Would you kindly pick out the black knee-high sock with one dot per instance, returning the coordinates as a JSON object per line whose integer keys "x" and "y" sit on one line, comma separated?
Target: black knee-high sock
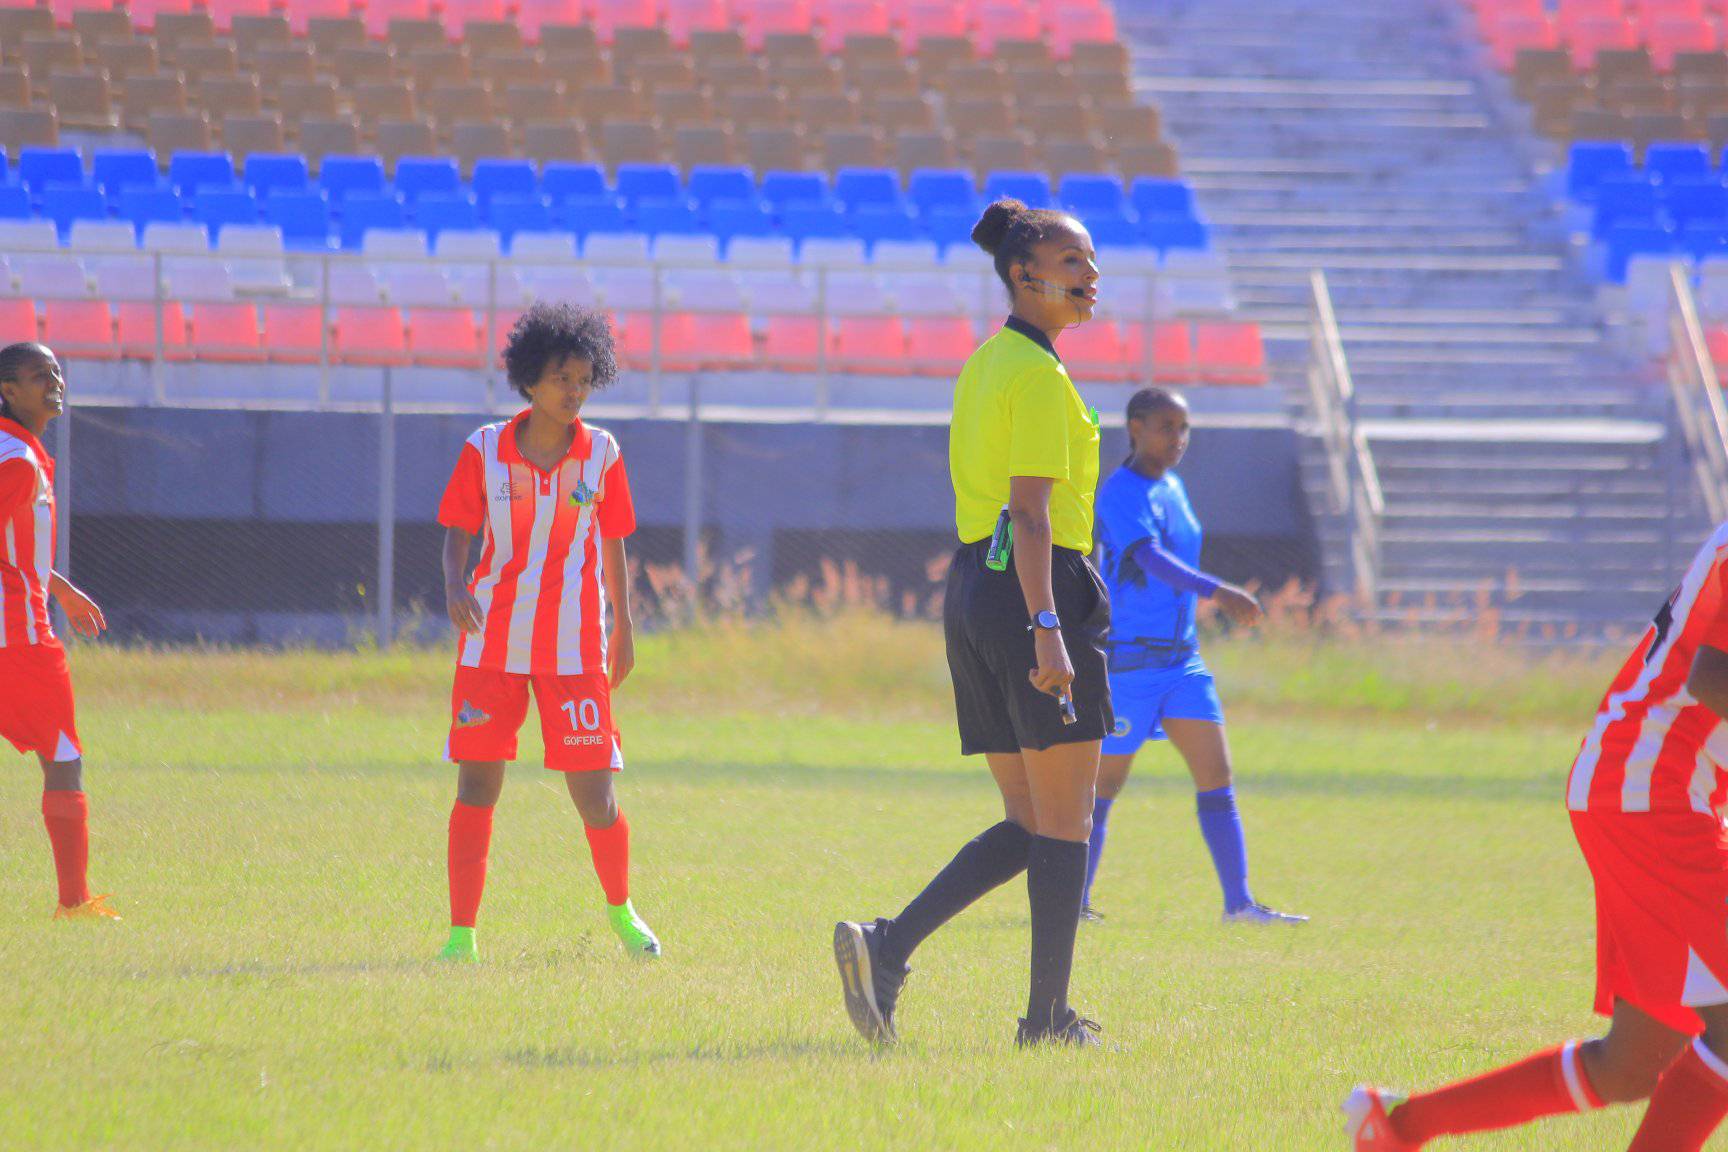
{"x": 989, "y": 860}
{"x": 1055, "y": 880}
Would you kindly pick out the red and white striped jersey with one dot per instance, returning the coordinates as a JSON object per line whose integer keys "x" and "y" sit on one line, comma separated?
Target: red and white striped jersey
{"x": 538, "y": 580}
{"x": 27, "y": 538}
{"x": 1653, "y": 747}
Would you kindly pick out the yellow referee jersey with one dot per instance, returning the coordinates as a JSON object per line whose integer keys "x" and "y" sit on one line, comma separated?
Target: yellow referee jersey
{"x": 1016, "y": 413}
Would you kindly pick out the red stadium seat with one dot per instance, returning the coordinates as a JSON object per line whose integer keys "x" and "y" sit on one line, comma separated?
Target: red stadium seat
{"x": 1651, "y": 11}
{"x": 927, "y": 19}
{"x": 227, "y": 333}
{"x": 135, "y": 322}
{"x": 79, "y": 329}
{"x": 1172, "y": 351}
{"x": 1095, "y": 351}
{"x": 854, "y": 18}
{"x": 686, "y": 16}
{"x": 503, "y": 319}
{"x": 144, "y": 12}
{"x": 370, "y": 336}
{"x": 1006, "y": 22}
{"x": 1506, "y": 37}
{"x": 874, "y": 345}
{"x": 705, "y": 341}
{"x": 18, "y": 319}
{"x": 1573, "y": 11}
{"x": 1587, "y": 37}
{"x": 1717, "y": 341}
{"x": 1230, "y": 353}
{"x": 293, "y": 333}
{"x": 610, "y": 15}
{"x": 301, "y": 13}
{"x": 773, "y": 17}
{"x": 1670, "y": 35}
{"x": 939, "y": 344}
{"x": 444, "y": 336}
{"x": 1487, "y": 13}
{"x": 457, "y": 13}
{"x": 1069, "y": 27}
{"x": 792, "y": 343}
{"x": 536, "y": 14}
{"x": 222, "y": 12}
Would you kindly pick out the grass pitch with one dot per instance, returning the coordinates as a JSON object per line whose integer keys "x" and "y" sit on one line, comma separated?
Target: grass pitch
{"x": 273, "y": 827}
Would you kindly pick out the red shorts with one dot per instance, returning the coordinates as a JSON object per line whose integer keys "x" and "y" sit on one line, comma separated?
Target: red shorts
{"x": 1661, "y": 911}
{"x": 36, "y": 701}
{"x": 487, "y": 709}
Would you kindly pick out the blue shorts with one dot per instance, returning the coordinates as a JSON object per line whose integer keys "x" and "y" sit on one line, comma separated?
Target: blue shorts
{"x": 1146, "y": 697}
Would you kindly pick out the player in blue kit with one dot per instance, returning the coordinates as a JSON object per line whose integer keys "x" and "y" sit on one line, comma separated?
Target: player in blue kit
{"x": 1149, "y": 554}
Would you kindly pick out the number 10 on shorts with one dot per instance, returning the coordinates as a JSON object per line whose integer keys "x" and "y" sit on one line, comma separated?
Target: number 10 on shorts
{"x": 584, "y": 715}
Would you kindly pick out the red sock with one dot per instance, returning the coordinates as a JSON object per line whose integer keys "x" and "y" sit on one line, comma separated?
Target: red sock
{"x": 1689, "y": 1102}
{"x": 1542, "y": 1085}
{"x": 470, "y": 840}
{"x": 611, "y": 849}
{"x": 67, "y": 815}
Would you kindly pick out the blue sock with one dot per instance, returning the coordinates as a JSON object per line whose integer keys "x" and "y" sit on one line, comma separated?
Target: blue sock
{"x": 1221, "y": 825}
{"x": 1100, "y": 814}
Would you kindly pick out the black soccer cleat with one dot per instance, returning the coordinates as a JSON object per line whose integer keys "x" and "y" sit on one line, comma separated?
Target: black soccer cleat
{"x": 870, "y": 983}
{"x": 1072, "y": 1029}
{"x": 1089, "y": 914}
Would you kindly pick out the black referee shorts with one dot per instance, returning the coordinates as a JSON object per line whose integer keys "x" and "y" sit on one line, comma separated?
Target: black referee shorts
{"x": 991, "y": 653}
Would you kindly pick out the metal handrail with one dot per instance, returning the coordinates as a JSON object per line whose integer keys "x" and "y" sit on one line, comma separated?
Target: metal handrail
{"x": 1356, "y": 493}
{"x": 1698, "y": 394}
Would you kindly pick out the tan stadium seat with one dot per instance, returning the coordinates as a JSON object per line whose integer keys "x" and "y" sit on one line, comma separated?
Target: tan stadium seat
{"x": 83, "y": 100}
{"x": 555, "y": 142}
{"x": 253, "y": 33}
{"x": 1637, "y": 98}
{"x": 801, "y": 78}
{"x": 609, "y": 102}
{"x": 1599, "y": 124}
{"x": 1093, "y": 57}
{"x": 94, "y": 24}
{"x": 975, "y": 82}
{"x": 632, "y": 43}
{"x": 215, "y": 58}
{"x": 171, "y": 132}
{"x": 819, "y": 114}
{"x": 17, "y": 23}
{"x": 937, "y": 54}
{"x": 367, "y": 64}
{"x": 240, "y": 95}
{"x": 147, "y": 95}
{"x": 1003, "y": 152}
{"x": 879, "y": 80}
{"x": 175, "y": 30}
{"x": 244, "y": 135}
{"x": 727, "y": 75}
{"x": 330, "y": 136}
{"x": 697, "y": 145}
{"x": 404, "y": 137}
{"x": 448, "y": 104}
{"x": 657, "y": 72}
{"x": 1126, "y": 124}
{"x": 503, "y": 68}
{"x": 775, "y": 149}
{"x": 895, "y": 114}
{"x": 329, "y": 35}
{"x": 14, "y": 88}
{"x": 1621, "y": 65}
{"x": 748, "y": 109}
{"x": 1158, "y": 160}
{"x": 980, "y": 117}
{"x": 544, "y": 103}
{"x": 384, "y": 101}
{"x": 407, "y": 36}
{"x": 1057, "y": 117}
{"x": 575, "y": 69}
{"x": 681, "y": 107}
{"x": 853, "y": 148}
{"x": 568, "y": 38}
{"x": 430, "y": 67}
{"x": 915, "y": 150}
{"x": 631, "y": 142}
{"x": 791, "y": 47}
{"x": 278, "y": 64}
{"x": 36, "y": 127}
{"x": 491, "y": 37}
{"x": 46, "y": 53}
{"x": 299, "y": 100}
{"x": 1018, "y": 56}
{"x": 865, "y": 51}
{"x": 710, "y": 46}
{"x": 125, "y": 57}
{"x": 1077, "y": 155}
{"x": 1532, "y": 67}
{"x": 1692, "y": 68}
{"x": 1704, "y": 104}
{"x": 473, "y": 140}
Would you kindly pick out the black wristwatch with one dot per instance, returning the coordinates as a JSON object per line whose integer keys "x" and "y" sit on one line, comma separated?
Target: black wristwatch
{"x": 1046, "y": 621}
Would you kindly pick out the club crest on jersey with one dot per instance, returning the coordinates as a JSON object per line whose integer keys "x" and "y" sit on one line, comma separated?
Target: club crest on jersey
{"x": 582, "y": 496}
{"x": 469, "y": 716}
{"x": 1122, "y": 727}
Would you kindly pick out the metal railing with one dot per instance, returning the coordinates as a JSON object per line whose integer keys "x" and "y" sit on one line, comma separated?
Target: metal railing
{"x": 1356, "y": 495}
{"x": 1697, "y": 394}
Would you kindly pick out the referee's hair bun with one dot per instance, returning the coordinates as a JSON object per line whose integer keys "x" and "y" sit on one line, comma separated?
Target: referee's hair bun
{"x": 988, "y": 233}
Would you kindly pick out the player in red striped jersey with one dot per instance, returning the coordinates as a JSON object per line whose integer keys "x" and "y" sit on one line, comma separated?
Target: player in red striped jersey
{"x": 36, "y": 711}
{"x": 547, "y": 497}
{"x": 1646, "y": 799}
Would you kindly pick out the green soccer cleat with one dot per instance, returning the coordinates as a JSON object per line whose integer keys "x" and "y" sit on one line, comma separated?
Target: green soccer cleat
{"x": 461, "y": 947}
{"x": 638, "y": 939}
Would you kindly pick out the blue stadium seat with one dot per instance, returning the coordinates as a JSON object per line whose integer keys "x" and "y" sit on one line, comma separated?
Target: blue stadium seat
{"x": 1114, "y": 230}
{"x": 729, "y": 218}
{"x": 585, "y": 214}
{"x": 876, "y": 222}
{"x": 1591, "y": 160}
{"x": 857, "y": 188}
{"x": 711, "y": 183}
{"x": 115, "y": 168}
{"x": 1673, "y": 160}
{"x": 636, "y": 183}
{"x": 510, "y": 214}
{"x": 270, "y": 173}
{"x": 38, "y": 167}
{"x": 14, "y": 202}
{"x": 656, "y": 217}
{"x": 216, "y": 208}
{"x": 1031, "y": 188}
{"x": 1620, "y": 196}
{"x": 1154, "y": 197}
{"x": 344, "y": 176}
{"x": 564, "y": 180}
{"x": 437, "y": 213}
{"x": 1693, "y": 199}
{"x": 150, "y": 205}
{"x": 190, "y": 171}
{"x": 804, "y": 221}
{"x": 782, "y": 188}
{"x": 64, "y": 203}
{"x": 5, "y": 171}
{"x": 364, "y": 210}
{"x": 1704, "y": 237}
{"x": 1633, "y": 238}
{"x": 500, "y": 176}
{"x": 948, "y": 225}
{"x": 943, "y": 188}
{"x": 303, "y": 216}
{"x": 1087, "y": 194}
{"x": 1167, "y": 232}
{"x": 418, "y": 176}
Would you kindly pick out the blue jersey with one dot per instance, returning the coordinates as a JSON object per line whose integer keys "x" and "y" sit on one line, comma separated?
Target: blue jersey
{"x": 1151, "y": 623}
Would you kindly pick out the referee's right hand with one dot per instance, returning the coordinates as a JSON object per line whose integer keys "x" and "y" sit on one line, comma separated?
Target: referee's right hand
{"x": 1054, "y": 673}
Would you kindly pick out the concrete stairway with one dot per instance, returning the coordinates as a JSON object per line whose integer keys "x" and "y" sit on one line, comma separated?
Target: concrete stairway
{"x": 1511, "y": 432}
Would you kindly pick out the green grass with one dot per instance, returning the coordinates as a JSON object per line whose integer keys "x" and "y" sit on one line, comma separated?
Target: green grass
{"x": 274, "y": 828}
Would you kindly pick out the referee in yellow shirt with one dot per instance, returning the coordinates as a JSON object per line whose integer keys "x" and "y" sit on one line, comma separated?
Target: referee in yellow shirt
{"x": 1025, "y": 617}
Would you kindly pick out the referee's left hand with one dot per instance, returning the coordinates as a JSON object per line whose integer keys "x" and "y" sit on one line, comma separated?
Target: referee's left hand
{"x": 621, "y": 654}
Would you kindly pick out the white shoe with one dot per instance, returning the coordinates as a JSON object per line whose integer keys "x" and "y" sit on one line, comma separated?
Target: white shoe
{"x": 1258, "y": 913}
{"x": 1367, "y": 1123}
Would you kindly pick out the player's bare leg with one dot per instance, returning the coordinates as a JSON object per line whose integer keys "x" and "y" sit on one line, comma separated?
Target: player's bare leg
{"x": 1691, "y": 1099}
